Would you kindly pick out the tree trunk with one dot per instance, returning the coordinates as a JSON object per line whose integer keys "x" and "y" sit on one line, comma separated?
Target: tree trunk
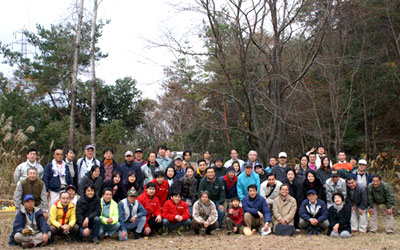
{"x": 93, "y": 77}
{"x": 75, "y": 76}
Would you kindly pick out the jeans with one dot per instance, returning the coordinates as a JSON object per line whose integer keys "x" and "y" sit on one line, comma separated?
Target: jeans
{"x": 221, "y": 214}
{"x": 109, "y": 228}
{"x": 95, "y": 226}
{"x": 129, "y": 226}
{"x": 176, "y": 225}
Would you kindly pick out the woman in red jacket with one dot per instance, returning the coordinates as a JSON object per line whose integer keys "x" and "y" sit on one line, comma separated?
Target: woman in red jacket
{"x": 176, "y": 215}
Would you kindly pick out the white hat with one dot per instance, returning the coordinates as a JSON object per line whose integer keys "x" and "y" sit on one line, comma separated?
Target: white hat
{"x": 282, "y": 154}
{"x": 362, "y": 161}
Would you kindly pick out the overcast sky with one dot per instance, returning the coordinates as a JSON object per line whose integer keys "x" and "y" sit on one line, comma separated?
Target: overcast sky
{"x": 125, "y": 39}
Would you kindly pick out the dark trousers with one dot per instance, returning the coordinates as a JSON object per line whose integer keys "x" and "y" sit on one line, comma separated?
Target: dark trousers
{"x": 94, "y": 226}
{"x": 154, "y": 226}
{"x": 58, "y": 231}
{"x": 196, "y": 226}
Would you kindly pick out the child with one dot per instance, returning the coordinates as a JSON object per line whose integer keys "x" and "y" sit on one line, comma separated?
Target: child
{"x": 234, "y": 218}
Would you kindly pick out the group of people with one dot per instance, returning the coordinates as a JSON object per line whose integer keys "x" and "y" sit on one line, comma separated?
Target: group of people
{"x": 96, "y": 199}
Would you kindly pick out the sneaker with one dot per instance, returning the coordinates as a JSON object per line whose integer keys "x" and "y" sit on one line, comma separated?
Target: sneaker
{"x": 229, "y": 232}
{"x": 96, "y": 240}
{"x": 219, "y": 229}
{"x": 298, "y": 230}
{"x": 180, "y": 230}
{"x": 318, "y": 231}
{"x": 138, "y": 236}
{"x": 196, "y": 232}
{"x": 164, "y": 231}
{"x": 310, "y": 231}
{"x": 389, "y": 232}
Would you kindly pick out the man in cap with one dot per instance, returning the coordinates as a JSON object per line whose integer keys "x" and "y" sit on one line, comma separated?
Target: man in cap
{"x": 246, "y": 178}
{"x": 179, "y": 170}
{"x": 86, "y": 162}
{"x": 363, "y": 177}
{"x": 21, "y": 171}
{"x": 132, "y": 216}
{"x": 129, "y": 166}
{"x": 335, "y": 185}
{"x": 313, "y": 214}
{"x": 281, "y": 169}
{"x": 138, "y": 160}
{"x": 30, "y": 227}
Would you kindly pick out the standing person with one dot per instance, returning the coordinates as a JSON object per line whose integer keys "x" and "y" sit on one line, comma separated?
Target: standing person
{"x": 69, "y": 154}
{"x": 285, "y": 207}
{"x": 32, "y": 185}
{"x": 175, "y": 214}
{"x": 162, "y": 187}
{"x": 30, "y": 227}
{"x": 236, "y": 167}
{"x": 354, "y": 161}
{"x": 162, "y": 158}
{"x": 280, "y": 169}
{"x": 138, "y": 160}
{"x": 335, "y": 185}
{"x": 218, "y": 167}
{"x": 179, "y": 170}
{"x": 86, "y": 163}
{"x": 93, "y": 179}
{"x": 63, "y": 219}
{"x": 153, "y": 208}
{"x": 320, "y": 154}
{"x": 187, "y": 187}
{"x": 312, "y": 157}
{"x": 207, "y": 158}
{"x": 131, "y": 183}
{"x": 270, "y": 189}
{"x": 21, "y": 171}
{"x": 324, "y": 172}
{"x": 339, "y": 217}
{"x": 170, "y": 176}
{"x": 296, "y": 191}
{"x": 342, "y": 163}
{"x": 56, "y": 176}
{"x": 132, "y": 216}
{"x": 234, "y": 157}
{"x": 230, "y": 182}
{"x": 313, "y": 214}
{"x": 152, "y": 166}
{"x": 201, "y": 170}
{"x": 303, "y": 167}
{"x": 259, "y": 169}
{"x": 234, "y": 217}
{"x": 216, "y": 191}
{"x": 129, "y": 166}
{"x": 273, "y": 161}
{"x": 363, "y": 177}
{"x": 379, "y": 192}
{"x": 88, "y": 210}
{"x": 257, "y": 215}
{"x": 115, "y": 184}
{"x": 187, "y": 154}
{"x": 109, "y": 215}
{"x": 168, "y": 153}
{"x": 248, "y": 177}
{"x": 205, "y": 214}
{"x": 312, "y": 182}
{"x": 357, "y": 198}
{"x": 108, "y": 165}
{"x": 252, "y": 159}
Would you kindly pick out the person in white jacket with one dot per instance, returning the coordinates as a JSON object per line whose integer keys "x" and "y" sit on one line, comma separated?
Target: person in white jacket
{"x": 269, "y": 189}
{"x": 85, "y": 163}
{"x": 21, "y": 172}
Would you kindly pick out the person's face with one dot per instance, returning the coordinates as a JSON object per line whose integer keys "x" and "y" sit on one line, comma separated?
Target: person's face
{"x": 210, "y": 173}
{"x": 338, "y": 200}
{"x": 189, "y": 173}
{"x": 71, "y": 192}
{"x": 32, "y": 156}
{"x": 139, "y": 156}
{"x": 252, "y": 156}
{"x": 132, "y": 178}
{"x": 303, "y": 161}
{"x": 159, "y": 180}
{"x": 65, "y": 198}
{"x": 321, "y": 150}
{"x": 376, "y": 182}
{"x": 206, "y": 155}
{"x": 312, "y": 198}
{"x": 161, "y": 152}
{"x": 312, "y": 157}
{"x": 176, "y": 199}
{"x": 259, "y": 170}
{"x": 170, "y": 172}
{"x": 96, "y": 173}
{"x": 248, "y": 170}
{"x": 231, "y": 174}
{"x": 178, "y": 162}
{"x": 128, "y": 158}
{"x": 218, "y": 164}
{"x": 353, "y": 162}
{"x": 32, "y": 175}
{"x": 89, "y": 192}
{"x": 282, "y": 160}
{"x": 273, "y": 161}
{"x": 362, "y": 167}
{"x": 204, "y": 198}
{"x": 168, "y": 153}
{"x": 117, "y": 179}
{"x": 152, "y": 158}
{"x": 29, "y": 205}
{"x": 131, "y": 199}
{"x": 107, "y": 196}
{"x": 235, "y": 203}
{"x": 151, "y": 191}
{"x": 310, "y": 178}
{"x": 202, "y": 166}
{"x": 89, "y": 153}
{"x": 284, "y": 191}
{"x": 290, "y": 176}
{"x": 342, "y": 156}
{"x": 326, "y": 162}
{"x": 108, "y": 155}
{"x": 271, "y": 180}
{"x": 252, "y": 193}
{"x": 351, "y": 184}
{"x": 70, "y": 155}
{"x": 335, "y": 179}
{"x": 234, "y": 154}
{"x": 186, "y": 156}
{"x": 236, "y": 167}
{"x": 58, "y": 155}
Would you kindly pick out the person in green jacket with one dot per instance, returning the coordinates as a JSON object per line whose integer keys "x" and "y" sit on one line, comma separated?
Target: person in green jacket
{"x": 215, "y": 187}
{"x": 109, "y": 216}
{"x": 379, "y": 192}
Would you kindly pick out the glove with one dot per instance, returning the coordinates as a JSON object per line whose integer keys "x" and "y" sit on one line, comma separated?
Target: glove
{"x": 26, "y": 231}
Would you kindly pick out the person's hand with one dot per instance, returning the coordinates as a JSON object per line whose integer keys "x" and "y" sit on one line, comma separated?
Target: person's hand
{"x": 66, "y": 228}
{"x": 230, "y": 211}
{"x": 353, "y": 208}
{"x": 336, "y": 228}
{"x": 266, "y": 226}
{"x": 313, "y": 221}
{"x": 370, "y": 211}
{"x": 26, "y": 231}
{"x": 46, "y": 215}
{"x": 48, "y": 195}
{"x": 158, "y": 219}
{"x": 86, "y": 232}
{"x": 123, "y": 234}
{"x": 221, "y": 207}
{"x": 115, "y": 189}
{"x": 360, "y": 211}
{"x": 109, "y": 221}
{"x": 45, "y": 238}
{"x": 260, "y": 214}
{"x": 147, "y": 230}
{"x": 283, "y": 221}
{"x": 178, "y": 218}
{"x": 389, "y": 211}
{"x": 85, "y": 222}
{"x": 133, "y": 219}
{"x": 313, "y": 149}
{"x": 206, "y": 224}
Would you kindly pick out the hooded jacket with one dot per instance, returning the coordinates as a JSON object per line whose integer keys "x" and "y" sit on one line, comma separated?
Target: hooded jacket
{"x": 230, "y": 187}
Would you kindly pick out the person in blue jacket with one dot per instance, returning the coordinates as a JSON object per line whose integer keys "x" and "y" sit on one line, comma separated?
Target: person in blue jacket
{"x": 30, "y": 227}
{"x": 313, "y": 214}
{"x": 246, "y": 178}
{"x": 256, "y": 212}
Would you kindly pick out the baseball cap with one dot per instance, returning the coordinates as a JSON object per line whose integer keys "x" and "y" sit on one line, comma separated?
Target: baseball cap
{"x": 247, "y": 165}
{"x": 138, "y": 150}
{"x": 128, "y": 153}
{"x": 133, "y": 193}
{"x": 90, "y": 146}
{"x": 71, "y": 186}
{"x": 311, "y": 191}
{"x": 178, "y": 157}
{"x": 362, "y": 161}
{"x": 335, "y": 173}
{"x": 282, "y": 154}
{"x": 28, "y": 197}
{"x": 258, "y": 165}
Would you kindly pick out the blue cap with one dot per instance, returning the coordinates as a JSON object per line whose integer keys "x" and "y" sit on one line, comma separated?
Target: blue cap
{"x": 259, "y": 165}
{"x": 311, "y": 191}
{"x": 247, "y": 165}
{"x": 28, "y": 197}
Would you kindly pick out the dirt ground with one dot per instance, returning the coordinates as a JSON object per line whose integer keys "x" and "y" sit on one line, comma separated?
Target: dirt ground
{"x": 219, "y": 240}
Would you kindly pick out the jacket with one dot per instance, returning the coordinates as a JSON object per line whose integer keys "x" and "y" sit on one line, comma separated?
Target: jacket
{"x": 152, "y": 206}
{"x": 21, "y": 171}
{"x": 316, "y": 185}
{"x": 127, "y": 168}
{"x": 244, "y": 181}
{"x": 84, "y": 166}
{"x": 280, "y": 173}
{"x": 321, "y": 213}
{"x": 123, "y": 207}
{"x": 147, "y": 171}
{"x": 364, "y": 179}
{"x": 161, "y": 191}
{"x": 102, "y": 169}
{"x": 284, "y": 209}
{"x": 87, "y": 208}
{"x": 126, "y": 186}
{"x": 119, "y": 194}
{"x": 342, "y": 218}
{"x": 58, "y": 217}
{"x": 216, "y": 190}
{"x": 164, "y": 162}
{"x": 187, "y": 189}
{"x": 230, "y": 187}
{"x": 296, "y": 190}
{"x": 253, "y": 206}
{"x": 358, "y": 197}
{"x": 113, "y": 213}
{"x": 269, "y": 193}
{"x": 37, "y": 188}
{"x": 88, "y": 181}
{"x": 237, "y": 215}
{"x": 170, "y": 210}
{"x": 220, "y": 171}
{"x": 322, "y": 175}
{"x": 302, "y": 173}
{"x": 380, "y": 195}
{"x": 207, "y": 212}
{"x": 21, "y": 220}
{"x": 331, "y": 189}
{"x": 52, "y": 179}
{"x": 74, "y": 166}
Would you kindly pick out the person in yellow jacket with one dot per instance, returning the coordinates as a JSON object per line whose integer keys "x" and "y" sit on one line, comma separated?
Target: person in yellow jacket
{"x": 109, "y": 216}
{"x": 63, "y": 219}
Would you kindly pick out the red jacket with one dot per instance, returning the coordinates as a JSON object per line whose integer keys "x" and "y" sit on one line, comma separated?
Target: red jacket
{"x": 152, "y": 206}
{"x": 161, "y": 191}
{"x": 170, "y": 210}
{"x": 237, "y": 215}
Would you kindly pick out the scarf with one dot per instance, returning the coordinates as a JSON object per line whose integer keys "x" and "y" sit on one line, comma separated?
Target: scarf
{"x": 230, "y": 183}
{"x": 338, "y": 207}
{"x": 58, "y": 170}
{"x": 211, "y": 181}
{"x": 108, "y": 169}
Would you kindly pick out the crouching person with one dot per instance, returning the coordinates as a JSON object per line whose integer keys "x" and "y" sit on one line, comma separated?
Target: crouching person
{"x": 88, "y": 210}
{"x": 63, "y": 219}
{"x": 175, "y": 214}
{"x": 313, "y": 214}
{"x": 109, "y": 214}
{"x": 153, "y": 208}
{"x": 205, "y": 214}
{"x": 132, "y": 216}
{"x": 339, "y": 217}
{"x": 284, "y": 208}
{"x": 30, "y": 227}
{"x": 234, "y": 217}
